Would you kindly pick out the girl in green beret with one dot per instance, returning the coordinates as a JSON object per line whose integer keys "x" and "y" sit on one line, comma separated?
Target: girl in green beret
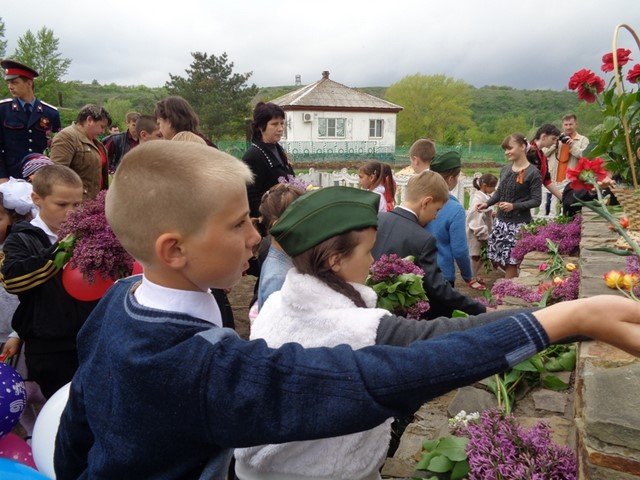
{"x": 329, "y": 235}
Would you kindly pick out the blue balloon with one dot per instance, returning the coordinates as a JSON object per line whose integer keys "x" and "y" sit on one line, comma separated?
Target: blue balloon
{"x": 12, "y": 398}
{"x": 10, "y": 470}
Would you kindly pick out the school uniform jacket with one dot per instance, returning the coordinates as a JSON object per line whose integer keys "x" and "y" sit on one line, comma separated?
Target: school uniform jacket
{"x": 400, "y": 233}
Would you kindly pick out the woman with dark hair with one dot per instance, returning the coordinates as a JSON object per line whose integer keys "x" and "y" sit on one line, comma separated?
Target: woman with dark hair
{"x": 546, "y": 136}
{"x": 176, "y": 115}
{"x": 266, "y": 158}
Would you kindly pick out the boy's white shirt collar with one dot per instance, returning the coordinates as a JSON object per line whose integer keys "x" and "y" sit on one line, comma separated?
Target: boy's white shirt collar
{"x": 38, "y": 222}
{"x": 408, "y": 210}
{"x": 200, "y": 305}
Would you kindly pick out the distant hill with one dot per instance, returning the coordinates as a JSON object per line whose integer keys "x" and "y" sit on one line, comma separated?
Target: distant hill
{"x": 489, "y": 104}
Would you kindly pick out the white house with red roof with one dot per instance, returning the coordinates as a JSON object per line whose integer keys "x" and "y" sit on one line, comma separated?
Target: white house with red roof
{"x": 327, "y": 118}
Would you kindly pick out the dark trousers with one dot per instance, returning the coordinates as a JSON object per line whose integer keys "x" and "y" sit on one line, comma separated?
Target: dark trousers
{"x": 51, "y": 370}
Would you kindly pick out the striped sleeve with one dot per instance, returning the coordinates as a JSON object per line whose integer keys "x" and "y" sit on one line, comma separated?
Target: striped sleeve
{"x": 27, "y": 264}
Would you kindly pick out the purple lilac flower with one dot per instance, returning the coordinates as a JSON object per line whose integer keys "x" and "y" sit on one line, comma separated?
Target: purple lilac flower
{"x": 97, "y": 250}
{"x": 506, "y": 287}
{"x": 565, "y": 235}
{"x": 633, "y": 265}
{"x": 390, "y": 266}
{"x": 418, "y": 309}
{"x": 295, "y": 182}
{"x": 499, "y": 448}
{"x": 569, "y": 289}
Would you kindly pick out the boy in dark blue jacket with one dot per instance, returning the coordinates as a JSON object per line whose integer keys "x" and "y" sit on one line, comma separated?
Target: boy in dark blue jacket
{"x": 164, "y": 392}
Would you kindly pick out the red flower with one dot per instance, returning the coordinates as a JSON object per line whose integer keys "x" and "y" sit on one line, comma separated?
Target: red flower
{"x": 607, "y": 59}
{"x": 586, "y": 173}
{"x": 634, "y": 74}
{"x": 587, "y": 83}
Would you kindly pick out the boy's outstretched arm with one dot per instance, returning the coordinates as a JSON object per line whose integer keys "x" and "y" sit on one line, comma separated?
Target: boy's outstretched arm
{"x": 295, "y": 394}
{"x": 608, "y": 318}
{"x": 290, "y": 394}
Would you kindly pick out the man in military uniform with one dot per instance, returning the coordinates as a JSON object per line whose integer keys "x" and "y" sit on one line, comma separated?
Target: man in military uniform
{"x": 26, "y": 123}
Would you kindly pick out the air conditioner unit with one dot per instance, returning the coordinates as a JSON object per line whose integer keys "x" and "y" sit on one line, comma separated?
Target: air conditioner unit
{"x": 306, "y": 117}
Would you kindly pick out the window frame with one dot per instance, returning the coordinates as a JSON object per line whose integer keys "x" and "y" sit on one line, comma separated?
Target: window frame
{"x": 373, "y": 125}
{"x": 331, "y": 127}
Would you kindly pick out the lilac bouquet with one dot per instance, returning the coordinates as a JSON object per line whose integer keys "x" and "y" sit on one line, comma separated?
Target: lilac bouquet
{"x": 96, "y": 250}
{"x": 499, "y": 448}
{"x": 398, "y": 284}
{"x": 565, "y": 235}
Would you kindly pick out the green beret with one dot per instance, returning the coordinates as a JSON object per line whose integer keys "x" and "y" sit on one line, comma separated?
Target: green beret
{"x": 446, "y": 161}
{"x": 322, "y": 214}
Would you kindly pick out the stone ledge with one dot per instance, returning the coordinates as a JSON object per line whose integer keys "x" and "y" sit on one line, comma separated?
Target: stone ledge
{"x": 607, "y": 379}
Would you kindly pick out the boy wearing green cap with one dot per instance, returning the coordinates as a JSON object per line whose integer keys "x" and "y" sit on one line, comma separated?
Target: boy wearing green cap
{"x": 164, "y": 392}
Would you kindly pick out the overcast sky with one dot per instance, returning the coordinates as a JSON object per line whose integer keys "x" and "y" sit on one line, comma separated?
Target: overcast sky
{"x": 522, "y": 44}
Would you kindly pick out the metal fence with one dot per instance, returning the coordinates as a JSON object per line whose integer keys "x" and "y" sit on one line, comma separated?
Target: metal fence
{"x": 349, "y": 151}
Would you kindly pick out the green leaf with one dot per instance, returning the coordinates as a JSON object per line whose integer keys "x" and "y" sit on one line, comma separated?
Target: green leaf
{"x": 611, "y": 123}
{"x": 491, "y": 384}
{"x": 401, "y": 298}
{"x": 459, "y": 314}
{"x": 615, "y": 251}
{"x": 554, "y": 383}
{"x": 454, "y": 448}
{"x": 385, "y": 303}
{"x": 460, "y": 470}
{"x": 440, "y": 464}
{"x": 512, "y": 376}
{"x": 526, "y": 366}
{"x": 430, "y": 445}
{"x": 568, "y": 360}
{"x": 536, "y": 361}
{"x": 553, "y": 365}
{"x": 425, "y": 460}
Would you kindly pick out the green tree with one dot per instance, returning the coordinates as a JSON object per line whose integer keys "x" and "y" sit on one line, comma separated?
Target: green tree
{"x": 118, "y": 109}
{"x": 511, "y": 124}
{"x": 40, "y": 51}
{"x": 3, "y": 42}
{"x": 220, "y": 97}
{"x": 432, "y": 105}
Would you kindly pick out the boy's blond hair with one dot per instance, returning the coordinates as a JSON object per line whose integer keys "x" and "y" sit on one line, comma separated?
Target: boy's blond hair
{"x": 165, "y": 186}
{"x": 427, "y": 184}
{"x": 52, "y": 175}
{"x": 185, "y": 136}
{"x": 424, "y": 149}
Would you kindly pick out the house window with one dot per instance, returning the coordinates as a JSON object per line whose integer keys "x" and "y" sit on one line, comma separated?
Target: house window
{"x": 331, "y": 127}
{"x": 375, "y": 128}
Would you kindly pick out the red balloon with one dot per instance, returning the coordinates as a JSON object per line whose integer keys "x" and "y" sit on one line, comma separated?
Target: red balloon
{"x": 14, "y": 448}
{"x": 137, "y": 268}
{"x": 79, "y": 288}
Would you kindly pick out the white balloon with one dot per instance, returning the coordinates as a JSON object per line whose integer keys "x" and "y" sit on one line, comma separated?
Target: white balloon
{"x": 43, "y": 441}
